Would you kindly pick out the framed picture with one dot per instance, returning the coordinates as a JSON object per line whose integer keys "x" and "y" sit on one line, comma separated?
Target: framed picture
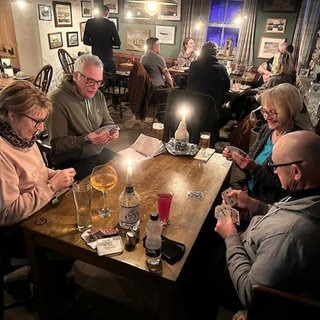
{"x": 55, "y": 40}
{"x": 44, "y": 12}
{"x": 269, "y": 47}
{"x": 113, "y": 5}
{"x": 134, "y": 12}
{"x": 82, "y": 27}
{"x": 72, "y": 39}
{"x": 136, "y": 38}
{"x": 165, "y": 34}
{"x": 62, "y": 14}
{"x": 170, "y": 11}
{"x": 115, "y": 21}
{"x": 275, "y": 25}
{"x": 86, "y": 9}
{"x": 278, "y": 5}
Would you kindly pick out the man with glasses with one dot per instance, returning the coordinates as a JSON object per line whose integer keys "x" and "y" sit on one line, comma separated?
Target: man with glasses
{"x": 79, "y": 110}
{"x": 281, "y": 246}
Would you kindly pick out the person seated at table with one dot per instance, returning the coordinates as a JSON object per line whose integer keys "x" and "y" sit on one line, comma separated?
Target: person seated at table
{"x": 79, "y": 109}
{"x": 188, "y": 52}
{"x": 206, "y": 75}
{"x": 241, "y": 105}
{"x": 280, "y": 105}
{"x": 281, "y": 247}
{"x": 26, "y": 183}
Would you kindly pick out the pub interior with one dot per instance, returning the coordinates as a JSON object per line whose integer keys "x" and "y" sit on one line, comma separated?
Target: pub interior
{"x": 247, "y": 32}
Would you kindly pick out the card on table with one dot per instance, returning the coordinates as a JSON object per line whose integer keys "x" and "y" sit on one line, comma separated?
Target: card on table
{"x": 195, "y": 194}
{"x": 235, "y": 149}
{"x": 230, "y": 200}
{"x": 223, "y": 211}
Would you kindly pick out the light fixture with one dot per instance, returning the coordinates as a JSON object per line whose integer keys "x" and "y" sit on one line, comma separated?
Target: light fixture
{"x": 151, "y": 7}
{"x": 240, "y": 16}
{"x": 199, "y": 25}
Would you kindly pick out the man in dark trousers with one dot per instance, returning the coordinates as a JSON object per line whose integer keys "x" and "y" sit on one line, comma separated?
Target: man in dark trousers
{"x": 101, "y": 34}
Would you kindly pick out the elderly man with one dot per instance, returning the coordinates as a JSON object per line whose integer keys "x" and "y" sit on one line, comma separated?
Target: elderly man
{"x": 281, "y": 246}
{"x": 79, "y": 110}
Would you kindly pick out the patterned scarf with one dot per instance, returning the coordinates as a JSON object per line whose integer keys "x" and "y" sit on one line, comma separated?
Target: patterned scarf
{"x": 7, "y": 133}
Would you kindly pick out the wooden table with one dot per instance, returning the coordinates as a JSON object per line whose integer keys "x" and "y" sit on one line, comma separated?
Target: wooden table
{"x": 5, "y": 81}
{"x": 183, "y": 71}
{"x": 178, "y": 174}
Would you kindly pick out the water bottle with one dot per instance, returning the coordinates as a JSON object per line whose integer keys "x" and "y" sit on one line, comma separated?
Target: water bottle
{"x": 153, "y": 240}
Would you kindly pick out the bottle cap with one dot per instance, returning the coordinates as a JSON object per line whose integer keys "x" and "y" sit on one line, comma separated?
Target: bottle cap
{"x": 154, "y": 216}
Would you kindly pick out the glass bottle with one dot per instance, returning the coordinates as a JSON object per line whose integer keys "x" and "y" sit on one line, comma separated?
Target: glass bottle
{"x": 181, "y": 137}
{"x": 153, "y": 240}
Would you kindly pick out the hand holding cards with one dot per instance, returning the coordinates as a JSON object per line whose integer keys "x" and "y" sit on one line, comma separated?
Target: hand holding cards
{"x": 112, "y": 128}
{"x": 223, "y": 211}
{"x": 235, "y": 149}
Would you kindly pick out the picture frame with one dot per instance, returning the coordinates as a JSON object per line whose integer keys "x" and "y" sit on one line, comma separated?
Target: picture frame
{"x": 170, "y": 11}
{"x": 115, "y": 21}
{"x": 166, "y": 34}
{"x": 45, "y": 12}
{"x": 113, "y": 5}
{"x": 134, "y": 12}
{"x": 72, "y": 38}
{"x": 82, "y": 26}
{"x": 136, "y": 38}
{"x": 283, "y": 6}
{"x": 62, "y": 14}
{"x": 86, "y": 9}
{"x": 275, "y": 25}
{"x": 268, "y": 47}
{"x": 55, "y": 40}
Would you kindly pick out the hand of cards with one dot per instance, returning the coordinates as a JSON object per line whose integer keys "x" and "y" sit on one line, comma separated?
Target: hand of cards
{"x": 235, "y": 149}
{"x": 223, "y": 211}
{"x": 112, "y": 128}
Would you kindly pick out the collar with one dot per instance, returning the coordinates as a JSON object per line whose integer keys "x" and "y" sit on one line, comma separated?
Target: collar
{"x": 299, "y": 194}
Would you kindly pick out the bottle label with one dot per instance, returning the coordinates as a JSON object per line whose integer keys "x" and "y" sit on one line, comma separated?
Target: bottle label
{"x": 153, "y": 253}
{"x": 181, "y": 144}
{"x": 129, "y": 215}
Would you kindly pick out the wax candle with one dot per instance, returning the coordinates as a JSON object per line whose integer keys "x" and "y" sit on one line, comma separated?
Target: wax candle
{"x": 129, "y": 173}
{"x": 183, "y": 116}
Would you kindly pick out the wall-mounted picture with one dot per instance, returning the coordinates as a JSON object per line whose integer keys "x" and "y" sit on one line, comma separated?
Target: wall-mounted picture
{"x": 170, "y": 11}
{"x": 113, "y": 5}
{"x": 72, "y": 39}
{"x": 279, "y": 5}
{"x": 115, "y": 21}
{"x": 44, "y": 12}
{"x": 134, "y": 12}
{"x": 275, "y": 25}
{"x": 165, "y": 34}
{"x": 55, "y": 40}
{"x": 86, "y": 9}
{"x": 136, "y": 38}
{"x": 62, "y": 14}
{"x": 82, "y": 27}
{"x": 269, "y": 47}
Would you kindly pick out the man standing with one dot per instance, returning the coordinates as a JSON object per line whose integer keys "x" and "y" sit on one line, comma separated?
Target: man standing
{"x": 101, "y": 34}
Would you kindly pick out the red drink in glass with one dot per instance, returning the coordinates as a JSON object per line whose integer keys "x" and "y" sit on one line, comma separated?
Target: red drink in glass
{"x": 164, "y": 203}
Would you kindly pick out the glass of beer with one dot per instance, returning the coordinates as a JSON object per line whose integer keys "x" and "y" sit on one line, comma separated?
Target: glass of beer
{"x": 204, "y": 142}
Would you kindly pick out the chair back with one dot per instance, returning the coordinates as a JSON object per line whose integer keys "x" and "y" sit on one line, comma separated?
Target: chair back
{"x": 66, "y": 61}
{"x": 201, "y": 115}
{"x": 43, "y": 79}
{"x": 45, "y": 148}
{"x": 268, "y": 303}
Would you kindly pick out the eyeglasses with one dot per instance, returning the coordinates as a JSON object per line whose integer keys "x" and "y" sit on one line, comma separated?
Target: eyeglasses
{"x": 36, "y": 122}
{"x": 274, "y": 166}
{"x": 271, "y": 114}
{"x": 91, "y": 82}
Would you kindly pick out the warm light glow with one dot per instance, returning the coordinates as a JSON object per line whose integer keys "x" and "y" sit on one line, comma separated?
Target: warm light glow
{"x": 199, "y": 25}
{"x": 129, "y": 173}
{"x": 21, "y": 4}
{"x": 151, "y": 7}
{"x": 96, "y": 12}
{"x": 183, "y": 115}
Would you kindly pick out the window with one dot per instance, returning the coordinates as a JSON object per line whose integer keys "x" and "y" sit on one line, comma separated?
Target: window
{"x": 222, "y": 25}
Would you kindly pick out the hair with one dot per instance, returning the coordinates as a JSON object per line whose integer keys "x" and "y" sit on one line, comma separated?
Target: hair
{"x": 21, "y": 97}
{"x": 87, "y": 58}
{"x": 289, "y": 48}
{"x": 104, "y": 9}
{"x": 286, "y": 100}
{"x": 209, "y": 49}
{"x": 185, "y": 42}
{"x": 284, "y": 63}
{"x": 150, "y": 42}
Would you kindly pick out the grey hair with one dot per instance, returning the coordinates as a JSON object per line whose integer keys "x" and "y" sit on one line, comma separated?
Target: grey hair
{"x": 87, "y": 58}
{"x": 210, "y": 48}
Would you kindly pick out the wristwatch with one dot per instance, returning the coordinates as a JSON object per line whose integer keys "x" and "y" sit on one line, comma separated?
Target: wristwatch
{"x": 50, "y": 186}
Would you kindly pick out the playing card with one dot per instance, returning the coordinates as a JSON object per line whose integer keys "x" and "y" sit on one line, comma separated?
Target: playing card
{"x": 230, "y": 200}
{"x": 235, "y": 149}
{"x": 112, "y": 128}
{"x": 195, "y": 194}
{"x": 221, "y": 212}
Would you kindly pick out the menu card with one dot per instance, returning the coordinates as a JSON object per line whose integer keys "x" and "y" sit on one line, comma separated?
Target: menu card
{"x": 206, "y": 157}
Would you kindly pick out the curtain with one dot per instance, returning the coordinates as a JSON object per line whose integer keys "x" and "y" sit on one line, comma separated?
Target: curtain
{"x": 245, "y": 50}
{"x": 305, "y": 35}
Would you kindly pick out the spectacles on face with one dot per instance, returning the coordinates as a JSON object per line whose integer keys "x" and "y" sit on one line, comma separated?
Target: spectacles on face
{"x": 274, "y": 166}
{"x": 36, "y": 122}
{"x": 92, "y": 82}
{"x": 271, "y": 114}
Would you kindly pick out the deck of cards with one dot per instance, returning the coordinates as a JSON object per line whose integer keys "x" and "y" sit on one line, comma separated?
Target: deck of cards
{"x": 235, "y": 149}
{"x": 112, "y": 128}
{"x": 223, "y": 211}
{"x": 230, "y": 200}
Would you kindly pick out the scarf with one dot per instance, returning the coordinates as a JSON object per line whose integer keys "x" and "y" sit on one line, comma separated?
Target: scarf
{"x": 7, "y": 133}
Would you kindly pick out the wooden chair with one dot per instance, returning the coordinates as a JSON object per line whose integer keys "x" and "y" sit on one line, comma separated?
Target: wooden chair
{"x": 45, "y": 148}
{"x": 66, "y": 61}
{"x": 268, "y": 303}
{"x": 43, "y": 79}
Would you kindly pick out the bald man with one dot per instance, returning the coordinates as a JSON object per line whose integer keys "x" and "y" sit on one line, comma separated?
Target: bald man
{"x": 281, "y": 246}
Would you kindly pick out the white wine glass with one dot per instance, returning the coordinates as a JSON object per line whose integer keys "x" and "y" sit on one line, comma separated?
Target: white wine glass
{"x": 104, "y": 178}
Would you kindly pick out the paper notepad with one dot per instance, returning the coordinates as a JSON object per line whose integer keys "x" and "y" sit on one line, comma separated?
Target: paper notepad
{"x": 148, "y": 146}
{"x": 207, "y": 156}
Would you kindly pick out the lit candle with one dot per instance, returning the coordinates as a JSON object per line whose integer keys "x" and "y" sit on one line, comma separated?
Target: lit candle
{"x": 183, "y": 116}
{"x": 129, "y": 173}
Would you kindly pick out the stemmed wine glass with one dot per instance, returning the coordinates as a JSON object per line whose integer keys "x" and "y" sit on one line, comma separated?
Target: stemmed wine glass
{"x": 104, "y": 178}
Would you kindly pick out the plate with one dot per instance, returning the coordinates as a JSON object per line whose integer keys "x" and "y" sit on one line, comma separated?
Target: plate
{"x": 192, "y": 149}
{"x": 21, "y": 78}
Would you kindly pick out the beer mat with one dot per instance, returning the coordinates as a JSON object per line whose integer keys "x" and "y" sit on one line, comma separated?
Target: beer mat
{"x": 109, "y": 246}
{"x": 206, "y": 157}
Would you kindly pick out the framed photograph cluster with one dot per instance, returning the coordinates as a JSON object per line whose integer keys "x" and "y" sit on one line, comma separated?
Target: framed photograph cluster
{"x": 275, "y": 25}
{"x": 136, "y": 38}
{"x": 165, "y": 34}
{"x": 269, "y": 47}
{"x": 62, "y": 14}
{"x": 86, "y": 9}
{"x": 55, "y": 40}
{"x": 45, "y": 12}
